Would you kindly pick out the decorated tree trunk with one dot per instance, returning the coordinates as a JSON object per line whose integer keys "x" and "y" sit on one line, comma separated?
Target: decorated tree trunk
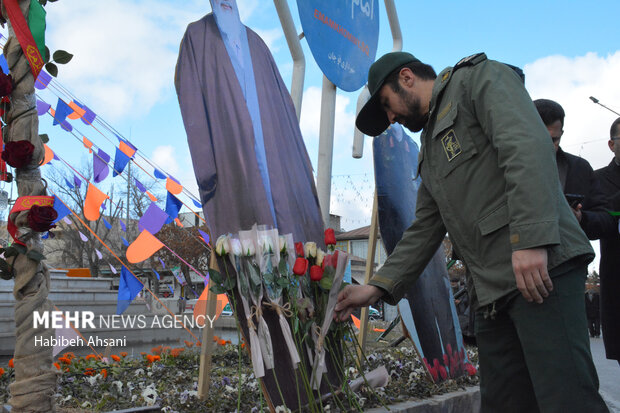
{"x": 35, "y": 378}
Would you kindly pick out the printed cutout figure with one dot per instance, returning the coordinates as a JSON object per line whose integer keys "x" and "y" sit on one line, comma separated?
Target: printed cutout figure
{"x": 247, "y": 150}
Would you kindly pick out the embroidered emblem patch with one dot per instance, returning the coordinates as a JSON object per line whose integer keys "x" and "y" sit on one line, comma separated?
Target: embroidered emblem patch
{"x": 451, "y": 145}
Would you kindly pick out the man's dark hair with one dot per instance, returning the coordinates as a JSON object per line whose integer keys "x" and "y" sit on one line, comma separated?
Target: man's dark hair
{"x": 421, "y": 70}
{"x": 613, "y": 132}
{"x": 549, "y": 111}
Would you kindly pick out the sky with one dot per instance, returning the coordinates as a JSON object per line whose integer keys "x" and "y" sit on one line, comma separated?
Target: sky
{"x": 125, "y": 53}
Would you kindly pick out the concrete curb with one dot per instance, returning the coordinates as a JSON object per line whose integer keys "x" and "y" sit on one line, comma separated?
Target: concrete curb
{"x": 464, "y": 401}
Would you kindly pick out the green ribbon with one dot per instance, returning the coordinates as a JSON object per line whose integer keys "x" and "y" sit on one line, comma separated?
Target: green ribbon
{"x": 36, "y": 23}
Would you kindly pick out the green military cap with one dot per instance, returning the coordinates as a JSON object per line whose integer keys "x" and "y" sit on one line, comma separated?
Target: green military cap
{"x": 372, "y": 119}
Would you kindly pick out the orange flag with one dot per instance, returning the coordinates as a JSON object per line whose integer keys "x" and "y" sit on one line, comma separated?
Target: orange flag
{"x": 126, "y": 149}
{"x": 88, "y": 144}
{"x": 200, "y": 309}
{"x": 356, "y": 321}
{"x": 151, "y": 196}
{"x": 78, "y": 112}
{"x": 92, "y": 202}
{"x": 143, "y": 247}
{"x": 49, "y": 155}
{"x": 173, "y": 187}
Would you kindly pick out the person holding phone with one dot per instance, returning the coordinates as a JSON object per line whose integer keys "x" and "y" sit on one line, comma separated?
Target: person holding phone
{"x": 579, "y": 183}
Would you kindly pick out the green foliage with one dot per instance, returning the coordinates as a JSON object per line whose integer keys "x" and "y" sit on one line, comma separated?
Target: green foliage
{"x": 59, "y": 57}
{"x": 220, "y": 283}
{"x": 44, "y": 2}
{"x": 44, "y": 138}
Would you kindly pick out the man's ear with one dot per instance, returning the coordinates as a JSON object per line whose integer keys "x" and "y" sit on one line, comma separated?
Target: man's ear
{"x": 406, "y": 76}
{"x": 610, "y": 143}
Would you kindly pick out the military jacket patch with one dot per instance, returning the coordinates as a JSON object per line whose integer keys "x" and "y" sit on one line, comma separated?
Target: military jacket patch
{"x": 451, "y": 145}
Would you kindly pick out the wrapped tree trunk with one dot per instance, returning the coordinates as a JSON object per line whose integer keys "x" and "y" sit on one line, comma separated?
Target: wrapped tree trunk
{"x": 35, "y": 377}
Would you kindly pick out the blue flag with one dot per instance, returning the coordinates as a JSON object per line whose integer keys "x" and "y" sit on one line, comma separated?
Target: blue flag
{"x": 107, "y": 224}
{"x": 120, "y": 162}
{"x": 128, "y": 289}
{"x": 173, "y": 206}
{"x": 60, "y": 208}
{"x": 159, "y": 174}
{"x": 62, "y": 111}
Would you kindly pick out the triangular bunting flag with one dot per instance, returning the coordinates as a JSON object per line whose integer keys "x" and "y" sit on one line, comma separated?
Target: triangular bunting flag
{"x": 143, "y": 247}
{"x": 128, "y": 288}
{"x": 92, "y": 202}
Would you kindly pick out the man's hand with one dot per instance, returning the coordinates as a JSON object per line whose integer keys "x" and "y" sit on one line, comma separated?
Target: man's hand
{"x": 353, "y": 296}
{"x": 577, "y": 212}
{"x": 530, "y": 268}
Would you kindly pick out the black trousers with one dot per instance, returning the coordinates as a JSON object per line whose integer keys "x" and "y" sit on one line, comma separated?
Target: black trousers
{"x": 536, "y": 357}
{"x": 594, "y": 325}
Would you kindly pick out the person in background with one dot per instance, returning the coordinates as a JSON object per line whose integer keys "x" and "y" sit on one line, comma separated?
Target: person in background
{"x": 609, "y": 178}
{"x": 593, "y": 312}
{"x": 577, "y": 177}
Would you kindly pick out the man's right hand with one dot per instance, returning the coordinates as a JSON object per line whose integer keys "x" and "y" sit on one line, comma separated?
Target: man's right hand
{"x": 354, "y": 296}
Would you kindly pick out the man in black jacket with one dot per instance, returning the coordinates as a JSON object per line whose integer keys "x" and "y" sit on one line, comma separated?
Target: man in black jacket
{"x": 609, "y": 178}
{"x": 577, "y": 177}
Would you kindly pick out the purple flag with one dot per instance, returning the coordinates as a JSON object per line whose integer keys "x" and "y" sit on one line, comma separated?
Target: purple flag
{"x": 107, "y": 224}
{"x": 197, "y": 203}
{"x": 99, "y": 255}
{"x": 42, "y": 107}
{"x": 112, "y": 269}
{"x": 156, "y": 273}
{"x": 82, "y": 236}
{"x": 123, "y": 227}
{"x": 163, "y": 264}
{"x": 205, "y": 236}
{"x": 153, "y": 219}
{"x": 69, "y": 184}
{"x": 43, "y": 80}
{"x": 77, "y": 181}
{"x": 125, "y": 241}
{"x": 100, "y": 165}
{"x": 89, "y": 115}
{"x": 139, "y": 185}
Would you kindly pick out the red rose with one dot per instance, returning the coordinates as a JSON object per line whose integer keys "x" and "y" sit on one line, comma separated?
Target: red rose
{"x": 41, "y": 219}
{"x": 316, "y": 273}
{"x": 18, "y": 153}
{"x": 299, "y": 249}
{"x": 330, "y": 237}
{"x": 301, "y": 266}
{"x": 6, "y": 84}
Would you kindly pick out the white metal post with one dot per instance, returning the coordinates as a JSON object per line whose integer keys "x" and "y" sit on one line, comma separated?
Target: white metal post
{"x": 326, "y": 147}
{"x": 297, "y": 53}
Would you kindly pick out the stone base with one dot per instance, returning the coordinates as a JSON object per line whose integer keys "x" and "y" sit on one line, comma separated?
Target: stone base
{"x": 465, "y": 401}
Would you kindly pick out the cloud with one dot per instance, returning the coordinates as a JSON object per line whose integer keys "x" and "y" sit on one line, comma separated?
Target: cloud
{"x": 270, "y": 37}
{"x": 570, "y": 81}
{"x": 167, "y": 158}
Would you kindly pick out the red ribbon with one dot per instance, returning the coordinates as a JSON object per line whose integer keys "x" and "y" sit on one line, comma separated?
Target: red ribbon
{"x": 24, "y": 36}
{"x": 24, "y": 203}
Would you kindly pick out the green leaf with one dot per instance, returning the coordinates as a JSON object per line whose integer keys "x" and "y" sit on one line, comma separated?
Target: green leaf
{"x": 283, "y": 268}
{"x": 283, "y": 283}
{"x": 62, "y": 57}
{"x": 35, "y": 255}
{"x": 52, "y": 69}
{"x": 217, "y": 289}
{"x": 43, "y": 2}
{"x": 216, "y": 276}
{"x": 4, "y": 266}
{"x": 47, "y": 52}
{"x": 44, "y": 138}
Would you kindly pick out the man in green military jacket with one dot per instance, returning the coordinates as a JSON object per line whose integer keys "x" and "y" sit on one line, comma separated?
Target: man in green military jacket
{"x": 489, "y": 179}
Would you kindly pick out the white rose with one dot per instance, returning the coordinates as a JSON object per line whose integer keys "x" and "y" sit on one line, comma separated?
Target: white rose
{"x": 248, "y": 247}
{"x": 282, "y": 240}
{"x": 319, "y": 257}
{"x": 310, "y": 249}
{"x": 222, "y": 245}
{"x": 266, "y": 244}
{"x": 235, "y": 246}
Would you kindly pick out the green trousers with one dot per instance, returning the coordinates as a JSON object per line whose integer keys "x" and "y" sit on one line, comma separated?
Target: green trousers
{"x": 536, "y": 357}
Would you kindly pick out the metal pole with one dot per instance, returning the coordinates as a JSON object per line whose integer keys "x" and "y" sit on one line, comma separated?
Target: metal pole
{"x": 297, "y": 53}
{"x": 370, "y": 267}
{"x": 397, "y": 38}
{"x": 326, "y": 147}
{"x": 128, "y": 190}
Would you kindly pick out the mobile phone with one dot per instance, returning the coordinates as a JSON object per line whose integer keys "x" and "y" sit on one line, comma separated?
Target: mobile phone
{"x": 574, "y": 199}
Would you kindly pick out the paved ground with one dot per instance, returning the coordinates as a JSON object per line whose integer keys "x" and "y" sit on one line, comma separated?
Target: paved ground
{"x": 608, "y": 374}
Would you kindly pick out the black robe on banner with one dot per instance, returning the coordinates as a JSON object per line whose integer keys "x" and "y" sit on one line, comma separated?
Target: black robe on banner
{"x": 221, "y": 139}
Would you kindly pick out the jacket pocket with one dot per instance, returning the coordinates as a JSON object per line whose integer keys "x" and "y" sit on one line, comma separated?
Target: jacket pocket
{"x": 453, "y": 145}
{"x": 494, "y": 221}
